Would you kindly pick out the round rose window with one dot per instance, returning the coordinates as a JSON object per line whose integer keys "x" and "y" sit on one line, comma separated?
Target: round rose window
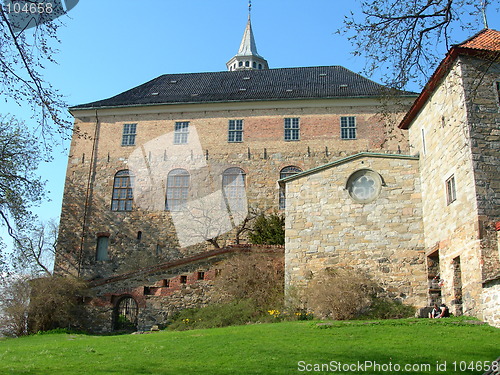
{"x": 364, "y": 185}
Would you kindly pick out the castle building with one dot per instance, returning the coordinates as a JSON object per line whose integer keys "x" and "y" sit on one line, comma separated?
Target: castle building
{"x": 168, "y": 169}
{"x": 161, "y": 176}
{"x": 425, "y": 224}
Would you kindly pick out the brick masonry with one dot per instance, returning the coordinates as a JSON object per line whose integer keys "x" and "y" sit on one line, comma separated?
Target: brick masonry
{"x": 96, "y": 155}
{"x": 164, "y": 289}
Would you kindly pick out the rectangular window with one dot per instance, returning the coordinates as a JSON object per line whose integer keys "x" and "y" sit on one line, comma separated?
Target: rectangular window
{"x": 423, "y": 142}
{"x": 292, "y": 129}
{"x": 497, "y": 84}
{"x": 102, "y": 248}
{"x": 451, "y": 194}
{"x": 184, "y": 279}
{"x": 181, "y": 133}
{"x": 235, "y": 133}
{"x": 201, "y": 275}
{"x": 348, "y": 127}
{"x": 129, "y": 133}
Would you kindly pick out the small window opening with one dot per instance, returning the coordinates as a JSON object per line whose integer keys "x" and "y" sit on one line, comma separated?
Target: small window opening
{"x": 451, "y": 194}
{"x": 165, "y": 283}
{"x": 184, "y": 279}
{"x": 102, "y": 248}
{"x": 139, "y": 235}
{"x": 201, "y": 275}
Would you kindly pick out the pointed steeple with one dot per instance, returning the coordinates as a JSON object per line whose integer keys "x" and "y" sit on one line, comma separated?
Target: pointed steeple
{"x": 247, "y": 57}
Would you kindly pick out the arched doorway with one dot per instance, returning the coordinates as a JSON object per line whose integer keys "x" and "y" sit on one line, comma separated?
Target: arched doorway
{"x": 125, "y": 314}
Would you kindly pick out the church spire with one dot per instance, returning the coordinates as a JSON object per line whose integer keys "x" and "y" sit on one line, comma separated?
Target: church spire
{"x": 247, "y": 57}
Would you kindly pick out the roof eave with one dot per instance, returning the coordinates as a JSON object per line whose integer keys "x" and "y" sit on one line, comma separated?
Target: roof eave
{"x": 442, "y": 69}
{"x": 76, "y": 108}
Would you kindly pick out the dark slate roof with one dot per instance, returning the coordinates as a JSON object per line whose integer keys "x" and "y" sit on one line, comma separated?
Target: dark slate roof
{"x": 250, "y": 85}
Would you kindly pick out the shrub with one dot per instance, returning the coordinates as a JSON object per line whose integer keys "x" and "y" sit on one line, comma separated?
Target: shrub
{"x": 268, "y": 230}
{"x": 339, "y": 294}
{"x": 255, "y": 277}
{"x": 55, "y": 302}
{"x": 14, "y": 301}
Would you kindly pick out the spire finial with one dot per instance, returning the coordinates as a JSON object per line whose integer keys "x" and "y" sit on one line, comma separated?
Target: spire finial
{"x": 484, "y": 4}
{"x": 249, "y": 8}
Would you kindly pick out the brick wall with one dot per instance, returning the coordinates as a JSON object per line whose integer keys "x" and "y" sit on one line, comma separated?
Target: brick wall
{"x": 263, "y": 153}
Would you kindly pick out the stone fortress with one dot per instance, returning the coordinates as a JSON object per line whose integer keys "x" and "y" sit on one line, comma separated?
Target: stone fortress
{"x": 160, "y": 175}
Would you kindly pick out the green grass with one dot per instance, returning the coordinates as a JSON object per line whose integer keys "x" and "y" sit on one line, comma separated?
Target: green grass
{"x": 257, "y": 349}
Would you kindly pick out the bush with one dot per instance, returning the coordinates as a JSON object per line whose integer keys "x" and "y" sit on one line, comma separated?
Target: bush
{"x": 255, "y": 277}
{"x": 268, "y": 230}
{"x": 55, "y": 302}
{"x": 14, "y": 302}
{"x": 339, "y": 294}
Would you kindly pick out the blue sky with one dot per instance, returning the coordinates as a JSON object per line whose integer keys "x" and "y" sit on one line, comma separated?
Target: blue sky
{"x": 110, "y": 46}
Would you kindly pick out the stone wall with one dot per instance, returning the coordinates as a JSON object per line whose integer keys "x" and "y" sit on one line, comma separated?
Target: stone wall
{"x": 491, "y": 302}
{"x": 440, "y": 135}
{"x": 480, "y": 79}
{"x": 148, "y": 234}
{"x": 164, "y": 289}
{"x": 326, "y": 227}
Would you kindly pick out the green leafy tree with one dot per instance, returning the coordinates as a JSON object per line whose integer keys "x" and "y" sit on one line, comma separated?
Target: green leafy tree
{"x": 268, "y": 230}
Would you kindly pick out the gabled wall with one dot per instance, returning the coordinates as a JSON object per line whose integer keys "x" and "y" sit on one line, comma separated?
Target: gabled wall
{"x": 326, "y": 227}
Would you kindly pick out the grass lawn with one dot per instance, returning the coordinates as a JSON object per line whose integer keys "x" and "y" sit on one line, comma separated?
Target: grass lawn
{"x": 279, "y": 348}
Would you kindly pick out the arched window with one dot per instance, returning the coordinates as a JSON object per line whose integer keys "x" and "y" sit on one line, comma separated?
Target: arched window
{"x": 177, "y": 189}
{"x": 122, "y": 191}
{"x": 286, "y": 172}
{"x": 233, "y": 187}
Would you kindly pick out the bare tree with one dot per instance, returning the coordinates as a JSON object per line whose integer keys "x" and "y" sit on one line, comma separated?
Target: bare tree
{"x": 20, "y": 187}
{"x": 24, "y": 55}
{"x": 36, "y": 248}
{"x": 407, "y": 39}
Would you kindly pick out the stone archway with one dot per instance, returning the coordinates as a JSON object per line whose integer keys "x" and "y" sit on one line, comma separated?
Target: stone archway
{"x": 125, "y": 314}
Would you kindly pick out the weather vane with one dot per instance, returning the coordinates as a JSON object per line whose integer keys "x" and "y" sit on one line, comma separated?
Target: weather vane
{"x": 249, "y": 7}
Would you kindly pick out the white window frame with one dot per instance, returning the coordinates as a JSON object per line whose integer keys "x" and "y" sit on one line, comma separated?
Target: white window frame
{"x": 181, "y": 132}
{"x": 451, "y": 190}
{"x": 128, "y": 134}
{"x": 235, "y": 131}
{"x": 292, "y": 129}
{"x": 348, "y": 127}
